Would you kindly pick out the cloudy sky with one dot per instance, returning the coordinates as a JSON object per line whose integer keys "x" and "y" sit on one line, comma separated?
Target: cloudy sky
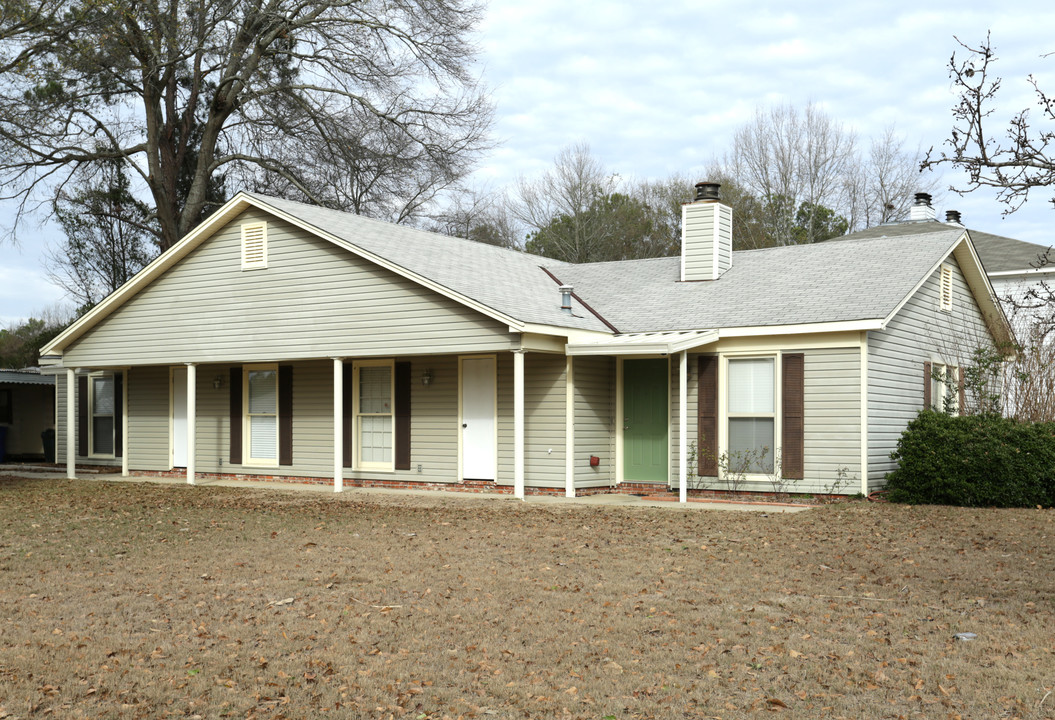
{"x": 657, "y": 88}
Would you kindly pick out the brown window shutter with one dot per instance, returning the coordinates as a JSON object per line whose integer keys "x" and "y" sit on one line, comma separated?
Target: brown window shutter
{"x": 119, "y": 408}
{"x": 82, "y": 416}
{"x": 285, "y": 414}
{"x": 792, "y": 451}
{"x": 349, "y": 418}
{"x": 402, "y": 410}
{"x": 707, "y": 417}
{"x": 926, "y": 386}
{"x": 236, "y": 415}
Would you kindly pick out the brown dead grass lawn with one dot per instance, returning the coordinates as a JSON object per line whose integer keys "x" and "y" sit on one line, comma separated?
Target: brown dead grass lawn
{"x": 147, "y": 601}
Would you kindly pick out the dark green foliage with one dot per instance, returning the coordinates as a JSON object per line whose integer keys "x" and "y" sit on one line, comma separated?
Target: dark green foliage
{"x": 20, "y": 345}
{"x": 974, "y": 461}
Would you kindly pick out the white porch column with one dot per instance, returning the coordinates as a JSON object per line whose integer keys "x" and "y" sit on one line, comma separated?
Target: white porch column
{"x": 338, "y": 425}
{"x": 518, "y": 423}
{"x": 569, "y": 430}
{"x": 192, "y": 376}
{"x": 124, "y": 421}
{"x": 71, "y": 423}
{"x": 683, "y": 426}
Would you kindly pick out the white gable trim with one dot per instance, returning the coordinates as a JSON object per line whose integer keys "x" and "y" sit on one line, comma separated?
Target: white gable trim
{"x": 227, "y": 212}
{"x": 977, "y": 280}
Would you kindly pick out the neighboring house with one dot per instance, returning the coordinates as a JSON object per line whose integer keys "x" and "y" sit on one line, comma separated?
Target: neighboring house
{"x": 285, "y": 340}
{"x": 1013, "y": 266}
{"x": 27, "y": 408}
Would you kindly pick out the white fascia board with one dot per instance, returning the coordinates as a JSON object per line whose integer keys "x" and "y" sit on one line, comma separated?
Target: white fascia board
{"x": 988, "y": 301}
{"x": 1047, "y": 270}
{"x": 706, "y": 338}
{"x": 801, "y": 329}
{"x": 225, "y": 214}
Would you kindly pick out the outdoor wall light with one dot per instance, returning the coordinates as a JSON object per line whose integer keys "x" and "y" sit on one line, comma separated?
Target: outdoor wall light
{"x": 217, "y": 382}
{"x": 426, "y": 377}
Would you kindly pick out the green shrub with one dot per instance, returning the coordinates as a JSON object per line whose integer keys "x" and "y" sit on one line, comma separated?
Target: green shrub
{"x": 974, "y": 461}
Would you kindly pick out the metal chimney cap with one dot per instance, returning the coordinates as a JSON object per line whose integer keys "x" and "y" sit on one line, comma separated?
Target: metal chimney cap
{"x": 922, "y": 198}
{"x": 953, "y": 216}
{"x": 708, "y": 191}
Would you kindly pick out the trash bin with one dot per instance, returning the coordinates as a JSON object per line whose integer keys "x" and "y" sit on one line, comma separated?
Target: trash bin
{"x": 48, "y": 437}
{"x": 3, "y": 442}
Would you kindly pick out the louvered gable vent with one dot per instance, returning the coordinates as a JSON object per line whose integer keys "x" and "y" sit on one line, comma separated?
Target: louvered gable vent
{"x": 254, "y": 245}
{"x": 946, "y": 287}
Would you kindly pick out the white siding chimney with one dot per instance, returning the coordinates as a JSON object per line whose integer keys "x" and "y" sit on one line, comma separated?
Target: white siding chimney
{"x": 706, "y": 235}
{"x": 921, "y": 209}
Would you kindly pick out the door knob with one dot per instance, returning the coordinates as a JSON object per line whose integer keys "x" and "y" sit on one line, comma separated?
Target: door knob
{"x": 465, "y": 425}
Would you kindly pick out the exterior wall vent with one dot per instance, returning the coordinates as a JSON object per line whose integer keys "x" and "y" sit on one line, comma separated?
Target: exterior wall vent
{"x": 254, "y": 245}
{"x": 945, "y": 288}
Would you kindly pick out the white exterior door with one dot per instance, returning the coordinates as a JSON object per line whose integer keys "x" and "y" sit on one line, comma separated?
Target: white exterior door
{"x": 179, "y": 417}
{"x": 478, "y": 421}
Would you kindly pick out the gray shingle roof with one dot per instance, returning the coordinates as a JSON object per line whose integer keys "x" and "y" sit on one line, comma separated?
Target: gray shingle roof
{"x": 509, "y": 281}
{"x": 997, "y": 253}
{"x": 827, "y": 282}
{"x": 858, "y": 278}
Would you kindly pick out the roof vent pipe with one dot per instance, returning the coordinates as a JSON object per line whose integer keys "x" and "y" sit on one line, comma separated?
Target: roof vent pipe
{"x": 921, "y": 209}
{"x": 565, "y": 298}
{"x": 953, "y": 217}
{"x": 707, "y": 191}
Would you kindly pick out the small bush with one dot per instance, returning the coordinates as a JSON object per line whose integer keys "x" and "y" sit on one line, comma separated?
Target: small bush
{"x": 974, "y": 461}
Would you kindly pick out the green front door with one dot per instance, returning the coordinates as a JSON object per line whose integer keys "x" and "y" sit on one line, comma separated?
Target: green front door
{"x": 645, "y": 420}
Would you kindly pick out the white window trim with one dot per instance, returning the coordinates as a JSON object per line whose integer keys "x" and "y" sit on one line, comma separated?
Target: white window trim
{"x": 723, "y": 407}
{"x": 91, "y": 416}
{"x": 357, "y": 425}
{"x": 945, "y": 288}
{"x": 940, "y": 386}
{"x": 247, "y": 438}
{"x": 258, "y": 264}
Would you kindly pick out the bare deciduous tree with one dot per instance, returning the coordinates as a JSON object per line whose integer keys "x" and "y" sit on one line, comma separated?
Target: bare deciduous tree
{"x": 567, "y": 191}
{"x": 790, "y": 159}
{"x": 283, "y": 93}
{"x": 1012, "y": 160}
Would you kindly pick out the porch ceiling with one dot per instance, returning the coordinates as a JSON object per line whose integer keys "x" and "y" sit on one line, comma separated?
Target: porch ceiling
{"x": 646, "y": 343}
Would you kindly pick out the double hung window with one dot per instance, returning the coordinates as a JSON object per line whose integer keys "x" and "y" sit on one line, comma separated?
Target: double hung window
{"x": 102, "y": 404}
{"x": 751, "y": 414}
{"x": 374, "y": 417}
{"x": 261, "y": 415}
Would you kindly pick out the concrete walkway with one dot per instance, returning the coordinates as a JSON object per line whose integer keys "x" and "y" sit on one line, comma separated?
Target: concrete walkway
{"x": 353, "y": 493}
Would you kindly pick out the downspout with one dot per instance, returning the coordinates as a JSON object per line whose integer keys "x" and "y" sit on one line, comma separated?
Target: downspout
{"x": 864, "y": 413}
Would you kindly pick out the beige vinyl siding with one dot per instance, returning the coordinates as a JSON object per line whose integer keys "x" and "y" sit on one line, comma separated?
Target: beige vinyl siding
{"x": 698, "y": 242}
{"x": 60, "y": 418}
{"x": 149, "y": 414}
{"x": 832, "y": 411}
{"x": 545, "y": 399}
{"x": 505, "y": 417}
{"x": 594, "y": 420}
{"x": 725, "y": 229}
{"x": 919, "y": 333}
{"x": 313, "y": 300}
{"x": 675, "y": 415}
